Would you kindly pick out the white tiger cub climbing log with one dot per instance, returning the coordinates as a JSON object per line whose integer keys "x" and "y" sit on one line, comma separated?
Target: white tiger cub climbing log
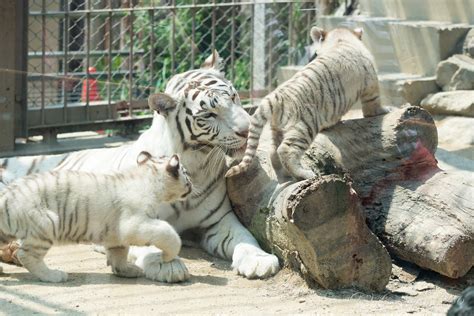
{"x": 202, "y": 120}
{"x": 313, "y": 99}
{"x": 61, "y": 207}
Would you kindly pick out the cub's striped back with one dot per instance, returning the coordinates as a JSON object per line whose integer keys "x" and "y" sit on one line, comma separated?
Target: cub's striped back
{"x": 313, "y": 99}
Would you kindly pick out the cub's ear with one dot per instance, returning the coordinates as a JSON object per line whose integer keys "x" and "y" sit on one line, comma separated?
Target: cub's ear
{"x": 317, "y": 34}
{"x": 214, "y": 61}
{"x": 358, "y": 32}
{"x": 143, "y": 157}
{"x": 162, "y": 103}
{"x": 173, "y": 166}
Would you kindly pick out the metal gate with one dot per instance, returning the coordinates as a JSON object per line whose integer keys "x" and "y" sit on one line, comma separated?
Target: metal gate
{"x": 91, "y": 64}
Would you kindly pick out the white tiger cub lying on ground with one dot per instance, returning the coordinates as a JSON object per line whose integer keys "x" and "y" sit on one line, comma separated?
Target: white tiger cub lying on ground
{"x": 315, "y": 98}
{"x": 70, "y": 206}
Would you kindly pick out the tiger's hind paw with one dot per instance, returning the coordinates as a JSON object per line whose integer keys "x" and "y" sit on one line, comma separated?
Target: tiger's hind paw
{"x": 303, "y": 174}
{"x": 54, "y": 276}
{"x": 128, "y": 271}
{"x": 171, "y": 272}
{"x": 381, "y": 110}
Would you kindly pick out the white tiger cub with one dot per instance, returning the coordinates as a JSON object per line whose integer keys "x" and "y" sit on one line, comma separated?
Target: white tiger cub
{"x": 69, "y": 207}
{"x": 315, "y": 98}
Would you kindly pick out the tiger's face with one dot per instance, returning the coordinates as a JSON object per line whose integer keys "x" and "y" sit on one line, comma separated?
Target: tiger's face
{"x": 205, "y": 109}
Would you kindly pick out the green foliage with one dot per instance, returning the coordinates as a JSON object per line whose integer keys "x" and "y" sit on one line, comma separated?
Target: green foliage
{"x": 168, "y": 36}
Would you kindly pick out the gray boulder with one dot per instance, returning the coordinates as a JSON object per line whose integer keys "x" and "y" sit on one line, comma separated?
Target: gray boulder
{"x": 456, "y": 73}
{"x": 452, "y": 102}
{"x": 468, "y": 47}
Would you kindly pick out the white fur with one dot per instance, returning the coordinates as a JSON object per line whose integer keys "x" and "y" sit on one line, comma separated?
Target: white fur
{"x": 68, "y": 207}
{"x": 162, "y": 138}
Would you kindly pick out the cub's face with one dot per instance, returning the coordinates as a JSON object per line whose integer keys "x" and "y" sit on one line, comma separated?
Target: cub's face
{"x": 170, "y": 176}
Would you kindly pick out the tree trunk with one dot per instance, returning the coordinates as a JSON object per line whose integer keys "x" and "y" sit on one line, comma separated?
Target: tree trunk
{"x": 421, "y": 213}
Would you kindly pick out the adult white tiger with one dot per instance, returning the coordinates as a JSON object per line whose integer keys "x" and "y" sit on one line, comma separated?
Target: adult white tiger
{"x": 199, "y": 117}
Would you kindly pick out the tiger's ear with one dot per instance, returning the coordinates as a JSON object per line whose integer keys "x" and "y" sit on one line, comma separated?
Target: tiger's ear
{"x": 162, "y": 103}
{"x": 143, "y": 157}
{"x": 214, "y": 61}
{"x": 358, "y": 32}
{"x": 317, "y": 34}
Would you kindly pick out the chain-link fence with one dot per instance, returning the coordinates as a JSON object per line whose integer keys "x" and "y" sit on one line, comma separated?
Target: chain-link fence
{"x": 98, "y": 60}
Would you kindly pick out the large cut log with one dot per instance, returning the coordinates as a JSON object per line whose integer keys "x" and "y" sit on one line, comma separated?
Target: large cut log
{"x": 325, "y": 239}
{"x": 421, "y": 213}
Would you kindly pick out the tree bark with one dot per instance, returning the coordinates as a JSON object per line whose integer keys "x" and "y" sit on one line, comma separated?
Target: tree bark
{"x": 422, "y": 214}
{"x": 327, "y": 240}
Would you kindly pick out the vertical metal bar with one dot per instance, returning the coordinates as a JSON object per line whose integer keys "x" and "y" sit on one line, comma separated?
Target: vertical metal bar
{"x": 270, "y": 54}
{"x": 109, "y": 62}
{"x": 173, "y": 35}
{"x": 232, "y": 43}
{"x": 308, "y": 25}
{"x": 43, "y": 57}
{"x": 131, "y": 59}
{"x": 152, "y": 47}
{"x": 88, "y": 52}
{"x": 252, "y": 21}
{"x": 290, "y": 35}
{"x": 213, "y": 29}
{"x": 22, "y": 88}
{"x": 65, "y": 59}
{"x": 193, "y": 35}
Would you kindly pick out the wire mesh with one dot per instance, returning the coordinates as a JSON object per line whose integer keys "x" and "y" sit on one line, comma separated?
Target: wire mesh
{"x": 117, "y": 52}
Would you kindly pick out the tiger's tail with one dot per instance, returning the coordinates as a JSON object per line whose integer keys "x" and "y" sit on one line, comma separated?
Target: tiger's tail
{"x": 257, "y": 122}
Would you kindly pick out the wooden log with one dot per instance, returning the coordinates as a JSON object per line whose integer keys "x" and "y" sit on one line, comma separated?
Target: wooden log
{"x": 326, "y": 239}
{"x": 422, "y": 214}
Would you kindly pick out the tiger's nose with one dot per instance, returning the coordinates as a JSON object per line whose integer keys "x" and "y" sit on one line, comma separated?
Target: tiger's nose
{"x": 243, "y": 134}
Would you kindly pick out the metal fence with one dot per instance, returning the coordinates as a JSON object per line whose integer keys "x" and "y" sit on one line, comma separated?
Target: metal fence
{"x": 94, "y": 62}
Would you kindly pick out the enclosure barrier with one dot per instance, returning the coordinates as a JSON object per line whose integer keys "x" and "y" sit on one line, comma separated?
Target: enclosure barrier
{"x": 91, "y": 64}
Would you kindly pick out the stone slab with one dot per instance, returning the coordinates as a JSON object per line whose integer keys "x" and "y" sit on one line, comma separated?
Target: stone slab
{"x": 456, "y": 73}
{"x": 460, "y": 103}
{"x": 420, "y": 46}
{"x": 454, "y": 11}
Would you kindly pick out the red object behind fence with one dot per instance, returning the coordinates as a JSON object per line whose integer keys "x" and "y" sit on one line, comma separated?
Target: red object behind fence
{"x": 93, "y": 88}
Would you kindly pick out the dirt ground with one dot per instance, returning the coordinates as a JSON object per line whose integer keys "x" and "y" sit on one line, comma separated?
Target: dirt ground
{"x": 213, "y": 289}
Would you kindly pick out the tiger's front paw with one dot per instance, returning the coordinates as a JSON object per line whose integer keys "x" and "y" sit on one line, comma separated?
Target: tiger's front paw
{"x": 255, "y": 264}
{"x": 171, "y": 272}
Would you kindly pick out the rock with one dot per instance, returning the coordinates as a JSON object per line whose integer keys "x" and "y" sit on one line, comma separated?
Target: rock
{"x": 452, "y": 102}
{"x": 407, "y": 273}
{"x": 456, "y": 73}
{"x": 421, "y": 286}
{"x": 414, "y": 90}
{"x": 468, "y": 47}
{"x": 456, "y": 130}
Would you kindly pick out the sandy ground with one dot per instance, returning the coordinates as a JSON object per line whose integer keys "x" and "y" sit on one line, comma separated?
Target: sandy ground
{"x": 213, "y": 289}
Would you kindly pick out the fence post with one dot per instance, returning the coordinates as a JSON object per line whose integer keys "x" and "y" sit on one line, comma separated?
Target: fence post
{"x": 21, "y": 48}
{"x": 258, "y": 51}
{"x": 8, "y": 56}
